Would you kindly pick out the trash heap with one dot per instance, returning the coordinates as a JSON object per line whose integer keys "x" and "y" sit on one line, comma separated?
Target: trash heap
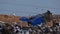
{"x": 36, "y": 25}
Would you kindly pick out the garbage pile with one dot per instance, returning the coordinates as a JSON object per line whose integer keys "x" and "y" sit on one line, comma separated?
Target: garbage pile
{"x": 36, "y": 24}
{"x": 16, "y": 29}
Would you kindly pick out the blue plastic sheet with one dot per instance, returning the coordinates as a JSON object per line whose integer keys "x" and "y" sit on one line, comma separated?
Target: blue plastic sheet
{"x": 24, "y": 19}
{"x": 37, "y": 20}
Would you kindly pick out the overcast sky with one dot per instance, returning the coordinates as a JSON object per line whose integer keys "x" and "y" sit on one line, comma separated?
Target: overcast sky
{"x": 29, "y": 7}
